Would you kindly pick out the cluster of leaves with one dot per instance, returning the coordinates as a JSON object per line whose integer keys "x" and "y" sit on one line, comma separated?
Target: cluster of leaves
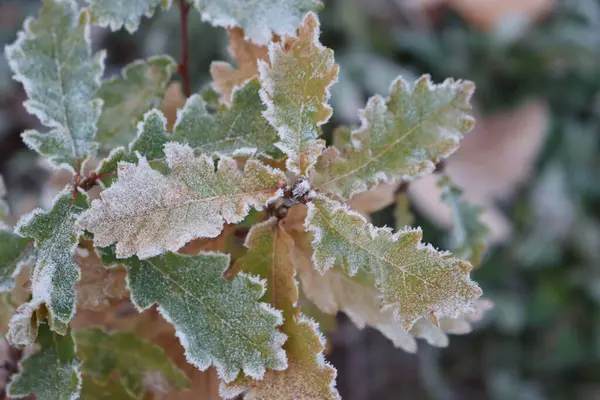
{"x": 164, "y": 187}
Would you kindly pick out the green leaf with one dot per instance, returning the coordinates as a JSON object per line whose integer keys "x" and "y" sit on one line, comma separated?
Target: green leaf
{"x": 52, "y": 373}
{"x": 469, "y": 233}
{"x": 118, "y": 13}
{"x": 307, "y": 376}
{"x": 414, "y": 279}
{"x": 128, "y": 97}
{"x": 259, "y": 20}
{"x": 218, "y": 322}
{"x": 295, "y": 88}
{"x": 237, "y": 131}
{"x": 134, "y": 359}
{"x": 400, "y": 138}
{"x": 147, "y": 213}
{"x": 54, "y": 274}
{"x": 240, "y": 130}
{"x": 14, "y": 251}
{"x": 53, "y": 60}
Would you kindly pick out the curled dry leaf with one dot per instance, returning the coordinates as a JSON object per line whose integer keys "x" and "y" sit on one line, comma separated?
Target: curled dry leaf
{"x": 98, "y": 284}
{"x": 246, "y": 55}
{"x": 492, "y": 161}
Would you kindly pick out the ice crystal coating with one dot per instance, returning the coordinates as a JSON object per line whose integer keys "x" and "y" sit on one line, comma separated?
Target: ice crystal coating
{"x": 469, "y": 233}
{"x": 295, "y": 88}
{"x": 103, "y": 354}
{"x": 128, "y": 97}
{"x": 218, "y": 322}
{"x": 415, "y": 280}
{"x": 400, "y": 138}
{"x": 308, "y": 376}
{"x": 147, "y": 213}
{"x": 259, "y": 20}
{"x": 54, "y": 273}
{"x": 118, "y": 13}
{"x": 52, "y": 373}
{"x": 53, "y": 60}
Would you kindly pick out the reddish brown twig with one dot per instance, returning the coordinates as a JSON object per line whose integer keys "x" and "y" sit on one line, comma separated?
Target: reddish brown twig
{"x": 183, "y": 68}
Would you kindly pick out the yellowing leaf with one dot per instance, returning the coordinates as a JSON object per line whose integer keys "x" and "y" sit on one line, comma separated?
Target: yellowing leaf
{"x": 134, "y": 359}
{"x": 246, "y": 55}
{"x": 53, "y": 60}
{"x": 128, "y": 97}
{"x": 400, "y": 138}
{"x": 147, "y": 213}
{"x": 259, "y": 20}
{"x": 308, "y": 376}
{"x": 218, "y": 322}
{"x": 295, "y": 88}
{"x": 53, "y": 373}
{"x": 415, "y": 280}
{"x": 54, "y": 274}
{"x": 118, "y": 13}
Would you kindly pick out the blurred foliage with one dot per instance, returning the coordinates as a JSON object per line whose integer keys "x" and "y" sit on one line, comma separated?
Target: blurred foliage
{"x": 542, "y": 340}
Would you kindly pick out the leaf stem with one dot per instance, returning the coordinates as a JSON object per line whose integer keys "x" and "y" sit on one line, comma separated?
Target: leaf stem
{"x": 183, "y": 67}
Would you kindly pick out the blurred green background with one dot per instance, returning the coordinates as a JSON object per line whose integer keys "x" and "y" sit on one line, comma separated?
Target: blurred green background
{"x": 533, "y": 161}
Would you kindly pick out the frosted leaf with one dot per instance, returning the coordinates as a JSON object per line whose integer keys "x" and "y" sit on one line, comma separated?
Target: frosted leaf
{"x": 259, "y": 20}
{"x": 4, "y": 210}
{"x": 238, "y": 130}
{"x": 149, "y": 142}
{"x": 218, "y": 322}
{"x": 53, "y": 60}
{"x": 246, "y": 55}
{"x": 53, "y": 373}
{"x": 147, "y": 213}
{"x": 308, "y": 376}
{"x": 295, "y": 88}
{"x": 14, "y": 251}
{"x": 414, "y": 279}
{"x": 128, "y": 97}
{"x": 118, "y": 13}
{"x": 135, "y": 360}
{"x": 469, "y": 233}
{"x": 358, "y": 298}
{"x": 54, "y": 274}
{"x": 400, "y": 138}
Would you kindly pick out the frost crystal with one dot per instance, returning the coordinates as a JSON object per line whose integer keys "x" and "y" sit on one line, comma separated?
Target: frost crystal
{"x": 295, "y": 88}
{"x": 53, "y": 60}
{"x": 400, "y": 138}
{"x": 218, "y": 322}
{"x": 147, "y": 213}
{"x": 259, "y": 20}
{"x": 118, "y": 13}
{"x": 414, "y": 280}
{"x": 54, "y": 274}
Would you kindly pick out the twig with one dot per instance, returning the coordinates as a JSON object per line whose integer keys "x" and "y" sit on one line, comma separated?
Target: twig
{"x": 184, "y": 68}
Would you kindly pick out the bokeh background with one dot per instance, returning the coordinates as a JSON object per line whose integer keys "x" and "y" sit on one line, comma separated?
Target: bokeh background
{"x": 533, "y": 161}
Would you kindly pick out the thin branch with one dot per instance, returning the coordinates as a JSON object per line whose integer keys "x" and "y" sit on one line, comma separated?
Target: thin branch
{"x": 184, "y": 68}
